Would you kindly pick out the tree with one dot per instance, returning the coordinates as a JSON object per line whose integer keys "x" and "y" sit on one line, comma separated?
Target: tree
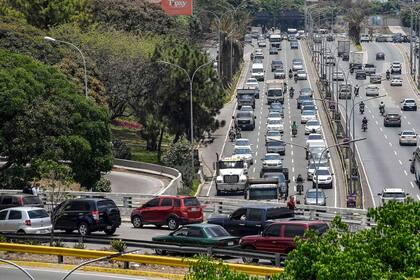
{"x": 387, "y": 251}
{"x": 356, "y": 12}
{"x": 47, "y": 13}
{"x": 44, "y": 116}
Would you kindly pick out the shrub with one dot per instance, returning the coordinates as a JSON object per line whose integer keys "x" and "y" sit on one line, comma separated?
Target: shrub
{"x": 118, "y": 245}
{"x": 79, "y": 245}
{"x": 103, "y": 185}
{"x": 120, "y": 149}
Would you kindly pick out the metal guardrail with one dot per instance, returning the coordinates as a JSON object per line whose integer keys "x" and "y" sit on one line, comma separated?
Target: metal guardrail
{"x": 135, "y": 258}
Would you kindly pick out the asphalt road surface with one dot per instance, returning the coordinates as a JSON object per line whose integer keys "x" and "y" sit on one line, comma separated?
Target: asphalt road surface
{"x": 385, "y": 162}
{"x": 130, "y": 182}
{"x": 10, "y": 273}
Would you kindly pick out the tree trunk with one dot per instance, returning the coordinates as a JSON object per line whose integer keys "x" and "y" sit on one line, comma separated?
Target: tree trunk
{"x": 159, "y": 148}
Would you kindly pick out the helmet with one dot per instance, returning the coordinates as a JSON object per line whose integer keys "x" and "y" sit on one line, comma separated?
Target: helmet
{"x": 382, "y": 102}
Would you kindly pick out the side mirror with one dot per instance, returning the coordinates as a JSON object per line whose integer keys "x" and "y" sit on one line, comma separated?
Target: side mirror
{"x": 233, "y": 117}
{"x": 255, "y": 117}
{"x": 379, "y": 194}
{"x": 332, "y": 174}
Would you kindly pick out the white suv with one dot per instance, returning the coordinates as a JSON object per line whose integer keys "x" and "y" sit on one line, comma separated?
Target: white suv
{"x": 395, "y": 194}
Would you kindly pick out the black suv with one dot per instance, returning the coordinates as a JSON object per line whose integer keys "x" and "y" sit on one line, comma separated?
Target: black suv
{"x": 87, "y": 215}
{"x": 18, "y": 200}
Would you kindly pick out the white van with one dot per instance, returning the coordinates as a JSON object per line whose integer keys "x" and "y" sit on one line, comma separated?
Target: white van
{"x": 257, "y": 71}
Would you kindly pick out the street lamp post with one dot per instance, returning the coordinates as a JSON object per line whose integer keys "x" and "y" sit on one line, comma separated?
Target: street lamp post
{"x": 191, "y": 80}
{"x": 50, "y": 39}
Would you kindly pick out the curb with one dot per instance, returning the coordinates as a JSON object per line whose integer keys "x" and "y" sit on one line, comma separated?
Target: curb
{"x": 100, "y": 269}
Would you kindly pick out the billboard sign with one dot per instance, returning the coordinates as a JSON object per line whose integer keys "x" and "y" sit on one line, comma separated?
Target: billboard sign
{"x": 177, "y": 7}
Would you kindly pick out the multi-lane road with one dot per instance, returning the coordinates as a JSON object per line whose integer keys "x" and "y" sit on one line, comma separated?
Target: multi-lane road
{"x": 385, "y": 163}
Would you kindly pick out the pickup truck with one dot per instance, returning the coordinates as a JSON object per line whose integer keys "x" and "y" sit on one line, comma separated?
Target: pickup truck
{"x": 250, "y": 220}
{"x": 369, "y": 69}
{"x": 278, "y": 237}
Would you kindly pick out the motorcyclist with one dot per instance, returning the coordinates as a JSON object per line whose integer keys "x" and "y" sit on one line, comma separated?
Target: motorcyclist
{"x": 237, "y": 131}
{"x": 362, "y": 107}
{"x": 299, "y": 179}
{"x": 382, "y": 107}
{"x": 291, "y": 91}
{"x": 294, "y": 128}
{"x": 364, "y": 122}
{"x": 232, "y": 133}
{"x": 296, "y": 78}
{"x": 356, "y": 90}
{"x": 388, "y": 75}
{"x": 252, "y": 56}
{"x": 290, "y": 73}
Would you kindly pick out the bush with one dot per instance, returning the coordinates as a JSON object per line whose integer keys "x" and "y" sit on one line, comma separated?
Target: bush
{"x": 58, "y": 243}
{"x": 120, "y": 149}
{"x": 103, "y": 185}
{"x": 79, "y": 245}
{"x": 118, "y": 245}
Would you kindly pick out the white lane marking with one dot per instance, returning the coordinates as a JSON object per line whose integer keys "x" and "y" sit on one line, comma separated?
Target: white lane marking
{"x": 378, "y": 124}
{"x": 405, "y": 172}
{"x": 386, "y": 137}
{"x": 293, "y": 171}
{"x": 400, "y": 162}
{"x": 418, "y": 197}
{"x": 258, "y": 133}
{"x": 395, "y": 152}
{"x": 409, "y": 123}
{"x": 291, "y": 152}
{"x": 293, "y": 161}
{"x": 373, "y": 117}
{"x": 412, "y": 185}
{"x": 390, "y": 144}
{"x": 253, "y": 170}
{"x": 256, "y": 153}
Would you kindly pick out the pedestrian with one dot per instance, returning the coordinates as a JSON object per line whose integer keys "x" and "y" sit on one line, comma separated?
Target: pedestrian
{"x": 35, "y": 189}
{"x": 27, "y": 189}
{"x": 291, "y": 204}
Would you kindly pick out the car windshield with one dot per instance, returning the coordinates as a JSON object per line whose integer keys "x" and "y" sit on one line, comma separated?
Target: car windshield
{"x": 275, "y": 105}
{"x": 277, "y": 62}
{"x": 38, "y": 214}
{"x": 272, "y": 157}
{"x": 257, "y": 70}
{"x": 273, "y": 133}
{"x": 409, "y": 101}
{"x": 252, "y": 81}
{"x": 394, "y": 194}
{"x": 275, "y": 143}
{"x": 301, "y": 72}
{"x": 274, "y": 115}
{"x": 243, "y": 115}
{"x": 274, "y": 121}
{"x": 312, "y": 123}
{"x": 309, "y": 107}
{"x": 231, "y": 164}
{"x": 242, "y": 142}
{"x": 242, "y": 151}
{"x": 308, "y": 113}
{"x": 191, "y": 201}
{"x": 216, "y": 231}
{"x": 315, "y": 137}
{"x": 247, "y": 109}
{"x": 322, "y": 172}
{"x": 312, "y": 194}
{"x": 408, "y": 133}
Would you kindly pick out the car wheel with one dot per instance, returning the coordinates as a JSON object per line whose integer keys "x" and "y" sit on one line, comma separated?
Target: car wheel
{"x": 83, "y": 229}
{"x": 110, "y": 231}
{"x": 137, "y": 222}
{"x": 21, "y": 231}
{"x": 172, "y": 223}
{"x": 161, "y": 252}
{"x": 249, "y": 259}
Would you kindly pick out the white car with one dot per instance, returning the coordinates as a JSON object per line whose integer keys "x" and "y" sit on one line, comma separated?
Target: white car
{"x": 301, "y": 75}
{"x": 272, "y": 160}
{"x": 25, "y": 220}
{"x": 323, "y": 177}
{"x": 408, "y": 104}
{"x": 372, "y": 90}
{"x": 279, "y": 74}
{"x": 311, "y": 169}
{"x": 244, "y": 153}
{"x": 252, "y": 83}
{"x": 364, "y": 38}
{"x": 393, "y": 194}
{"x": 297, "y": 66}
{"x": 307, "y": 115}
{"x": 338, "y": 76}
{"x": 396, "y": 81}
{"x": 274, "y": 115}
{"x": 273, "y": 135}
{"x": 247, "y": 108}
{"x": 242, "y": 142}
{"x": 314, "y": 137}
{"x": 408, "y": 137}
{"x": 275, "y": 124}
{"x": 262, "y": 43}
{"x": 312, "y": 126}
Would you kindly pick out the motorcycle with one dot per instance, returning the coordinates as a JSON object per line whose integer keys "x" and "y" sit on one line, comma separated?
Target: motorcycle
{"x": 362, "y": 110}
{"x": 290, "y": 75}
{"x": 231, "y": 135}
{"x": 294, "y": 132}
{"x": 388, "y": 76}
{"x": 382, "y": 110}
{"x": 296, "y": 78}
{"x": 299, "y": 188}
{"x": 364, "y": 127}
{"x": 291, "y": 93}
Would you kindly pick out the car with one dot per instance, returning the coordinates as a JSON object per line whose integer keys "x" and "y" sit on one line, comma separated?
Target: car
{"x": 330, "y": 37}
{"x": 375, "y": 79}
{"x": 246, "y": 108}
{"x": 306, "y": 106}
{"x": 276, "y": 147}
{"x": 242, "y": 142}
{"x": 311, "y": 169}
{"x": 314, "y": 137}
{"x": 408, "y": 104}
{"x": 207, "y": 235}
{"x": 338, "y": 76}
{"x": 279, "y": 74}
{"x": 408, "y": 137}
{"x": 17, "y": 200}
{"x": 396, "y": 81}
{"x": 275, "y": 124}
{"x": 396, "y": 67}
{"x": 262, "y": 43}
{"x": 294, "y": 45}
{"x": 372, "y": 90}
{"x": 276, "y": 107}
{"x": 344, "y": 91}
{"x": 323, "y": 177}
{"x": 307, "y": 115}
{"x": 369, "y": 68}
{"x": 273, "y": 135}
{"x": 345, "y": 57}
{"x": 273, "y": 50}
{"x": 87, "y": 215}
{"x": 364, "y": 38}
{"x": 301, "y": 99}
{"x": 272, "y": 161}
{"x": 276, "y": 64}
{"x": 170, "y": 210}
{"x": 392, "y": 119}
{"x": 259, "y": 55}
{"x": 244, "y": 153}
{"x": 380, "y": 38}
{"x": 306, "y": 91}
{"x": 312, "y": 126}
{"x": 360, "y": 74}
{"x": 392, "y": 194}
{"x": 252, "y": 82}
{"x": 311, "y": 197}
{"x": 274, "y": 114}
{"x": 380, "y": 56}
{"x": 301, "y": 75}
{"x": 25, "y": 220}
{"x": 297, "y": 64}
{"x": 280, "y": 236}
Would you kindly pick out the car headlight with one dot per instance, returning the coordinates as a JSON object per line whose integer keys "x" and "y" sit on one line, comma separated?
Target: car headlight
{"x": 242, "y": 179}
{"x": 329, "y": 178}
{"x": 219, "y": 179}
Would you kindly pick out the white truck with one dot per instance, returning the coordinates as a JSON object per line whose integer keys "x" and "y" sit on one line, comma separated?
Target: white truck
{"x": 231, "y": 175}
{"x": 356, "y": 60}
{"x": 343, "y": 47}
{"x": 275, "y": 91}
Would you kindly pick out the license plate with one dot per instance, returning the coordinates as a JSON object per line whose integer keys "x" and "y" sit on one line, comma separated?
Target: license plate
{"x": 194, "y": 209}
{"x": 109, "y": 227}
{"x": 230, "y": 243}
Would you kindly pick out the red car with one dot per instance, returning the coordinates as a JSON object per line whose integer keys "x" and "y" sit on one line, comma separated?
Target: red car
{"x": 168, "y": 210}
{"x": 278, "y": 236}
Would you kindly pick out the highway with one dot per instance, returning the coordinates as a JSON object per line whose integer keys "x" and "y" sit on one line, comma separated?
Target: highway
{"x": 136, "y": 182}
{"x": 294, "y": 159}
{"x": 384, "y": 161}
{"x": 10, "y": 273}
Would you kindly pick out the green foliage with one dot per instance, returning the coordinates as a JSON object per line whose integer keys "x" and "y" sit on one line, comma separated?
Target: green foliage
{"x": 47, "y": 13}
{"x": 58, "y": 243}
{"x": 103, "y": 185}
{"x": 120, "y": 149}
{"x": 118, "y": 245}
{"x": 43, "y": 116}
{"x": 388, "y": 251}
{"x": 79, "y": 245}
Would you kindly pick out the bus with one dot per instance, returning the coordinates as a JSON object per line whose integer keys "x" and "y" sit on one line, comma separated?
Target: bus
{"x": 415, "y": 165}
{"x": 275, "y": 40}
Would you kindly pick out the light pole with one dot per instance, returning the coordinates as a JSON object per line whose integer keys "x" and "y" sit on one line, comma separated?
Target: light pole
{"x": 191, "y": 80}
{"x": 50, "y": 39}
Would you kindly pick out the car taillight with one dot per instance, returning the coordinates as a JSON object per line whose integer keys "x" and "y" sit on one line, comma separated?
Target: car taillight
{"x": 28, "y": 223}
{"x": 95, "y": 215}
